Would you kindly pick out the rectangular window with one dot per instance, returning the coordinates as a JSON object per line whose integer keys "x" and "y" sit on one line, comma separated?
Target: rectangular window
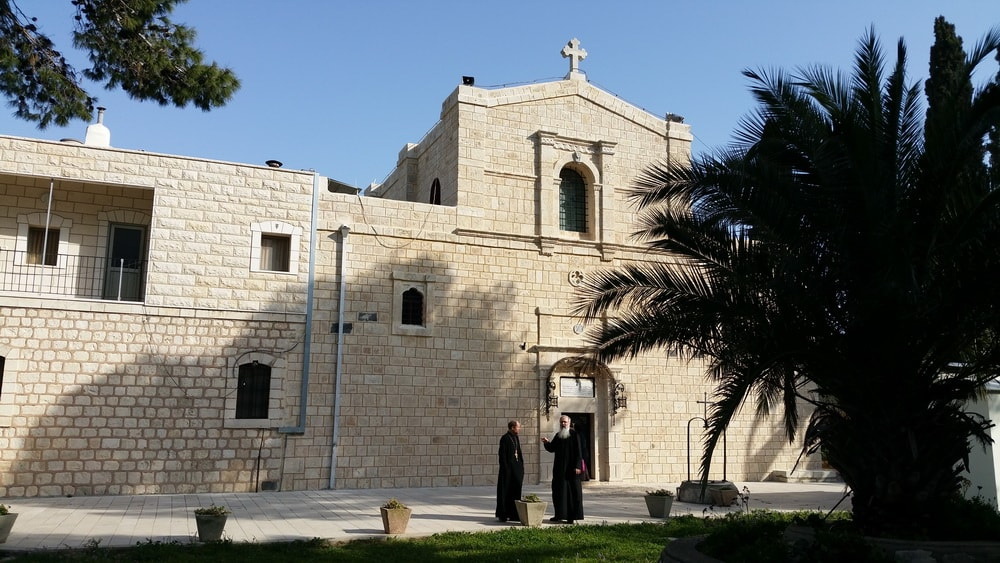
{"x": 42, "y": 250}
{"x": 253, "y": 390}
{"x": 275, "y": 251}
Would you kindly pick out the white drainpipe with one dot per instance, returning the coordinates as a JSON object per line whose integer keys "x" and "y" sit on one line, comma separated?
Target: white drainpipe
{"x": 307, "y": 338}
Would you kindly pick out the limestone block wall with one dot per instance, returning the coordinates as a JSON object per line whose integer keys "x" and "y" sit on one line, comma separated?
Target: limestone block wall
{"x": 428, "y": 409}
{"x": 200, "y": 237}
{"x": 124, "y": 399}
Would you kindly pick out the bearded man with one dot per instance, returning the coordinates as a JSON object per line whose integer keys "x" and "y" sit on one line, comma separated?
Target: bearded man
{"x": 511, "y": 474}
{"x": 567, "y": 467}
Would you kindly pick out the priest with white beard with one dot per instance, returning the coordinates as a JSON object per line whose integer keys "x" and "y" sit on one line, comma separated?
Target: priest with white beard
{"x": 567, "y": 469}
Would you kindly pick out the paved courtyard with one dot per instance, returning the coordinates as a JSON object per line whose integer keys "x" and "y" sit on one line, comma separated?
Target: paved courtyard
{"x": 60, "y": 522}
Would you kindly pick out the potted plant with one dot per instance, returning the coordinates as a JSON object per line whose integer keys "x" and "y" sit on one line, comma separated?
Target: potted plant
{"x": 530, "y": 510}
{"x": 659, "y": 502}
{"x": 395, "y": 516}
{"x": 6, "y": 522}
{"x": 211, "y": 520}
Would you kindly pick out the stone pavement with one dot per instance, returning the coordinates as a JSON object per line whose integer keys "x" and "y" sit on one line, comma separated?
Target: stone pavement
{"x": 61, "y": 522}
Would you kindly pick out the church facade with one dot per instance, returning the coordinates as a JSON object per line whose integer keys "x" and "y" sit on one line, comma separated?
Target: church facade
{"x": 172, "y": 324}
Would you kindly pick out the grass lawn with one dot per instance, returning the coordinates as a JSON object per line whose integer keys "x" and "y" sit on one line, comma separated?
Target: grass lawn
{"x": 619, "y": 542}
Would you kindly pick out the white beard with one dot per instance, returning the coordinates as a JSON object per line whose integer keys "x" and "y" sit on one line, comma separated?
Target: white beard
{"x": 563, "y": 433}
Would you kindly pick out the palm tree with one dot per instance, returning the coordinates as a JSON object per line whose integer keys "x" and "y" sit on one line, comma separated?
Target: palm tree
{"x": 831, "y": 258}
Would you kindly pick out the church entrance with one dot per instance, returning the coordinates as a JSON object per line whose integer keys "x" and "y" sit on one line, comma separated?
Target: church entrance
{"x": 583, "y": 424}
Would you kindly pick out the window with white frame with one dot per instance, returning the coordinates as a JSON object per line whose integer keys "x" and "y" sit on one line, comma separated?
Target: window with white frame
{"x": 40, "y": 246}
{"x": 274, "y": 247}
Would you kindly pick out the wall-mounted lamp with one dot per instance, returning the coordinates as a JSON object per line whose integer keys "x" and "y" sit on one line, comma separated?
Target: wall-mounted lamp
{"x": 524, "y": 346}
{"x": 618, "y": 399}
{"x": 551, "y": 399}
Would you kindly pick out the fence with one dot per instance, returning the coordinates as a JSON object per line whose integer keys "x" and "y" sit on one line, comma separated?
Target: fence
{"x": 82, "y": 277}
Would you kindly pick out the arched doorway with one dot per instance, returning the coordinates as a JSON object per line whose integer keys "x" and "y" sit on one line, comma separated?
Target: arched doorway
{"x": 582, "y": 389}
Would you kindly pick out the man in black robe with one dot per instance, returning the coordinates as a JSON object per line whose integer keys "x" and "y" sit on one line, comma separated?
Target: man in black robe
{"x": 511, "y": 473}
{"x": 567, "y": 467}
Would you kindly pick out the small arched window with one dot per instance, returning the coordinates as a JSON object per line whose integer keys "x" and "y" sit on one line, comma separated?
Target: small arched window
{"x": 253, "y": 390}
{"x": 572, "y": 201}
{"x": 413, "y": 307}
{"x": 436, "y": 192}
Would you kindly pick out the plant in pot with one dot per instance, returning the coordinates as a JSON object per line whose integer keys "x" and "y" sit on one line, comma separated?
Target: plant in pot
{"x": 211, "y": 521}
{"x": 659, "y": 502}
{"x": 530, "y": 510}
{"x": 395, "y": 516}
{"x": 6, "y": 522}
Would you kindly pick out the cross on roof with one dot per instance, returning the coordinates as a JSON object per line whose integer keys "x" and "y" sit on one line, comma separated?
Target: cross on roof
{"x": 575, "y": 54}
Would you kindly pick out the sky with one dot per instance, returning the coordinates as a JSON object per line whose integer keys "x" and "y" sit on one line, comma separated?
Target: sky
{"x": 340, "y": 87}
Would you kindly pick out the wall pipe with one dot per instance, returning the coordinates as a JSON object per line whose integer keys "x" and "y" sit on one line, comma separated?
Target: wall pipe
{"x": 344, "y": 231}
{"x": 310, "y": 289}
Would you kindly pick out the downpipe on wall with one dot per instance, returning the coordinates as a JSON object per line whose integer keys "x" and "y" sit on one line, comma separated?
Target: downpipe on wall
{"x": 344, "y": 231}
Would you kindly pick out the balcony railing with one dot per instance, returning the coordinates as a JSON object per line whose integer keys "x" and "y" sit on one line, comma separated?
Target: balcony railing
{"x": 81, "y": 277}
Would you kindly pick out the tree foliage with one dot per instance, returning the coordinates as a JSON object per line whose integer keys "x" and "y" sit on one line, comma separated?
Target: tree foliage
{"x": 842, "y": 256}
{"x": 131, "y": 44}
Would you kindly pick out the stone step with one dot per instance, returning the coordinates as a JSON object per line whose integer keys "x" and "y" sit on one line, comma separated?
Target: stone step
{"x": 805, "y": 476}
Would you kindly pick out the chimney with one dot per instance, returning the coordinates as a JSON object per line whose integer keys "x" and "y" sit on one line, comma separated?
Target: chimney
{"x": 97, "y": 134}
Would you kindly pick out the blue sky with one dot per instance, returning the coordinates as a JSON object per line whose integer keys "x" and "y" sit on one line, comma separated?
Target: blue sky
{"x": 340, "y": 87}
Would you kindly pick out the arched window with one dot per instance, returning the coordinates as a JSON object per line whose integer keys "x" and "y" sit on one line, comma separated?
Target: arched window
{"x": 436, "y": 192}
{"x": 413, "y": 307}
{"x": 253, "y": 390}
{"x": 572, "y": 201}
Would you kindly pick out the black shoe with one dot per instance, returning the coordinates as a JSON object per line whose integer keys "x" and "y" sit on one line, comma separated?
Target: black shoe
{"x": 554, "y": 519}
{"x": 569, "y": 521}
{"x": 502, "y": 519}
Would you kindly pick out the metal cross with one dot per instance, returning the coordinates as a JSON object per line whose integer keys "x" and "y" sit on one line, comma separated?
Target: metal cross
{"x": 705, "y": 404}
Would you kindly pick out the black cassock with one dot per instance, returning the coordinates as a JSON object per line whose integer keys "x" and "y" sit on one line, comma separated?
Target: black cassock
{"x": 567, "y": 490}
{"x": 510, "y": 477}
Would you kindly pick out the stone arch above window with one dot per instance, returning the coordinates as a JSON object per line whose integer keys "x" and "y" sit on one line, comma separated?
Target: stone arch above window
{"x": 412, "y": 303}
{"x": 567, "y": 211}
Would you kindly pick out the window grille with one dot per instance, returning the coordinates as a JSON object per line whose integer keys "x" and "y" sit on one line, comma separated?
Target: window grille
{"x": 572, "y": 201}
{"x": 253, "y": 390}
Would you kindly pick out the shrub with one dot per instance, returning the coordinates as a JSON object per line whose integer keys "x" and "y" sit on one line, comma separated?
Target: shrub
{"x": 393, "y": 503}
{"x": 212, "y": 510}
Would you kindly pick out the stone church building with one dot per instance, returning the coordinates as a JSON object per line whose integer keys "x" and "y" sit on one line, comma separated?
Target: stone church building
{"x": 171, "y": 324}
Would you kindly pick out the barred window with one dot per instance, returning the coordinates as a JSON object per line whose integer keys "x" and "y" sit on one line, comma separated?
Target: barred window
{"x": 572, "y": 201}
{"x": 253, "y": 390}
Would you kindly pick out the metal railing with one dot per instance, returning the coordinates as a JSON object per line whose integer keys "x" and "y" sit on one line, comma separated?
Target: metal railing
{"x": 81, "y": 277}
